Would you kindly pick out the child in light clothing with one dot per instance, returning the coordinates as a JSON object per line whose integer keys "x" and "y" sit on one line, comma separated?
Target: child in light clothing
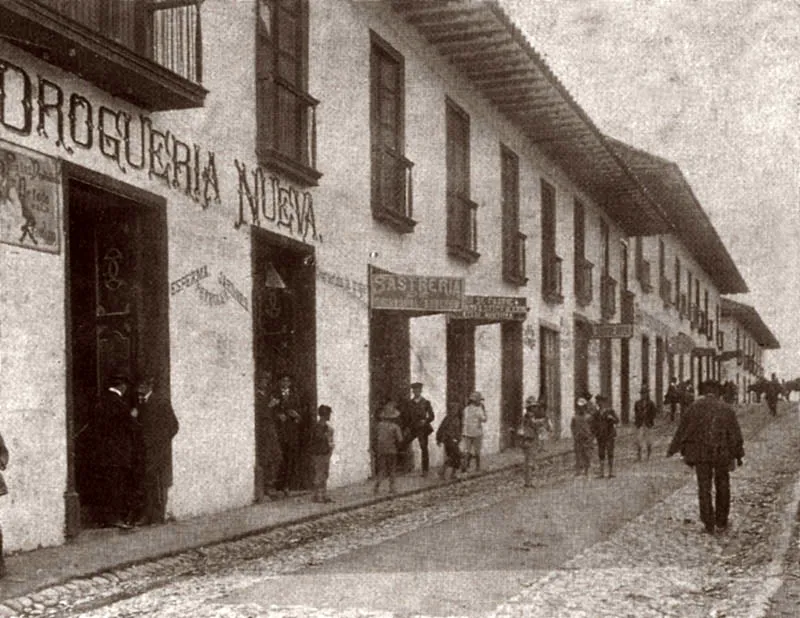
{"x": 472, "y": 430}
{"x": 388, "y": 438}
{"x": 321, "y": 448}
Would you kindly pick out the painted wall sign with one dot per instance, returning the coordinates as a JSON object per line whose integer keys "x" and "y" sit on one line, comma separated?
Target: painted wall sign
{"x": 30, "y": 199}
{"x": 354, "y": 288}
{"x": 415, "y": 292}
{"x": 612, "y": 331}
{"x": 263, "y": 198}
{"x": 232, "y": 291}
{"x": 497, "y": 308}
{"x": 188, "y": 280}
{"x": 29, "y": 104}
{"x": 704, "y": 352}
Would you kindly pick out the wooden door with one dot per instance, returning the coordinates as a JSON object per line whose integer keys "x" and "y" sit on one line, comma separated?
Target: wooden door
{"x": 550, "y": 374}
{"x": 511, "y": 381}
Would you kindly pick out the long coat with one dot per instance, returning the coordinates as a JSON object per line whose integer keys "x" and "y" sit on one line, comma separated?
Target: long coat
{"x": 708, "y": 432}
{"x": 158, "y": 425}
{"x": 114, "y": 433}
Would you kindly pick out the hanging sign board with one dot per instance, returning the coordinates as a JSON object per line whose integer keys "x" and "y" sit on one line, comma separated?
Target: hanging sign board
{"x": 612, "y": 331}
{"x": 730, "y": 355}
{"x": 30, "y": 199}
{"x": 704, "y": 352}
{"x": 415, "y": 292}
{"x": 494, "y": 308}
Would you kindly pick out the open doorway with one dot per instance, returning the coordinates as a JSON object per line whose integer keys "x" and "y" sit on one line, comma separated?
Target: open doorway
{"x": 284, "y": 340}
{"x": 118, "y": 314}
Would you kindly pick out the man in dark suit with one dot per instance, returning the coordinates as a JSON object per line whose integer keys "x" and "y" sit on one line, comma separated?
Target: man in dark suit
{"x": 268, "y": 447}
{"x": 157, "y": 425}
{"x": 114, "y": 453}
{"x": 287, "y": 411}
{"x": 710, "y": 440}
{"x": 418, "y": 418}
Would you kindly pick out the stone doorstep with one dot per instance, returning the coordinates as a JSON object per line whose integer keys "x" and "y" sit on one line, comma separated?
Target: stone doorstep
{"x": 562, "y": 455}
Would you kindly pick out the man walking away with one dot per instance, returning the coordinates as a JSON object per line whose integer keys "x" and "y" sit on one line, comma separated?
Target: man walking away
{"x": 388, "y": 438}
{"x": 672, "y": 397}
{"x": 710, "y": 440}
{"x": 644, "y": 414}
{"x": 449, "y": 435}
{"x": 772, "y": 390}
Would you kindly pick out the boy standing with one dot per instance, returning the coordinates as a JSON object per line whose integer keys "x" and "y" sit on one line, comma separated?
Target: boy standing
{"x": 533, "y": 422}
{"x": 388, "y": 438}
{"x": 321, "y": 448}
{"x": 474, "y": 418}
{"x": 582, "y": 438}
{"x": 449, "y": 435}
{"x": 604, "y": 428}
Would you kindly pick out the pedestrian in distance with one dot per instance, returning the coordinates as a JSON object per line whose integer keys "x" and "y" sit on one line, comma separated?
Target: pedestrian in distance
{"x": 448, "y": 435}
{"x": 582, "y": 437}
{"x": 388, "y": 441}
{"x": 672, "y": 398}
{"x": 710, "y": 440}
{"x": 604, "y": 427}
{"x": 534, "y": 422}
{"x": 772, "y": 390}
{"x": 474, "y": 416}
{"x": 418, "y": 419}
{"x": 321, "y": 449}
{"x": 644, "y": 415}
{"x": 3, "y": 492}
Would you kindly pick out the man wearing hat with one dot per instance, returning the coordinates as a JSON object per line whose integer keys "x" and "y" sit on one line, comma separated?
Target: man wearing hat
{"x": 418, "y": 419}
{"x": 604, "y": 428}
{"x": 644, "y": 415}
{"x": 388, "y": 440}
{"x": 534, "y": 421}
{"x": 472, "y": 431}
{"x": 710, "y": 440}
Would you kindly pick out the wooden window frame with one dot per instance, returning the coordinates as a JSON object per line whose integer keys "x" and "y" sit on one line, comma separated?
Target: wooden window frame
{"x": 462, "y": 242}
{"x": 513, "y": 241}
{"x": 300, "y": 164}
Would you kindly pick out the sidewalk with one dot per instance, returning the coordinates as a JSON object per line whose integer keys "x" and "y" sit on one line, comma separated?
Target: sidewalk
{"x": 99, "y": 551}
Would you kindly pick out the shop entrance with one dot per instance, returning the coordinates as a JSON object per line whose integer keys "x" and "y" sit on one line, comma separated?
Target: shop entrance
{"x": 460, "y": 363}
{"x": 118, "y": 314}
{"x": 550, "y": 374}
{"x": 511, "y": 381}
{"x": 284, "y": 337}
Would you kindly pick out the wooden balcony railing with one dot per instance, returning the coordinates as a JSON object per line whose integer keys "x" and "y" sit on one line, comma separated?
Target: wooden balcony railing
{"x": 514, "y": 260}
{"x": 392, "y": 190}
{"x": 643, "y": 274}
{"x": 583, "y": 281}
{"x": 552, "y": 289}
{"x": 462, "y": 227}
{"x": 608, "y": 296}
{"x": 627, "y": 309}
{"x": 166, "y": 31}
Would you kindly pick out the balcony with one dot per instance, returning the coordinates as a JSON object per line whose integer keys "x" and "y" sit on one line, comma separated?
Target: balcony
{"x": 720, "y": 339}
{"x": 643, "y": 274}
{"x": 608, "y": 296}
{"x": 147, "y": 53}
{"x": 514, "y": 266}
{"x": 683, "y": 307}
{"x": 628, "y": 307}
{"x": 392, "y": 198}
{"x": 552, "y": 290}
{"x": 583, "y": 281}
{"x": 462, "y": 227}
{"x": 694, "y": 316}
{"x": 665, "y": 291}
{"x": 710, "y": 330}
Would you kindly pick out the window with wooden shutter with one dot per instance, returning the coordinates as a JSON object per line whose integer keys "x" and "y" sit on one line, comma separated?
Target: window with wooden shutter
{"x": 551, "y": 263}
{"x": 462, "y": 232}
{"x": 513, "y": 248}
{"x": 286, "y": 113}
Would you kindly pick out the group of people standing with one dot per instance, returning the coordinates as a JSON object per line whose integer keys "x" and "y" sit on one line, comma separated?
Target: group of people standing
{"x": 130, "y": 441}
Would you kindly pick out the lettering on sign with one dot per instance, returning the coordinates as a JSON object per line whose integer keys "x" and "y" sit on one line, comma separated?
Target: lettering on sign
{"x": 612, "y": 331}
{"x": 30, "y": 190}
{"x": 497, "y": 308}
{"x": 209, "y": 297}
{"x": 416, "y": 293}
{"x": 188, "y": 280}
{"x": 354, "y": 288}
{"x": 76, "y": 123}
{"x": 233, "y": 291}
{"x": 264, "y": 198}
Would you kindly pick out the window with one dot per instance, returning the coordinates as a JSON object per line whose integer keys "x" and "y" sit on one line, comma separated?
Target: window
{"x": 462, "y": 233}
{"x": 513, "y": 240}
{"x": 677, "y": 282}
{"x": 286, "y": 117}
{"x": 391, "y": 171}
{"x": 551, "y": 263}
{"x": 583, "y": 267}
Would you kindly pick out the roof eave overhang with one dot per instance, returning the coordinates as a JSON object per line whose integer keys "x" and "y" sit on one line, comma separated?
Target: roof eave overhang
{"x": 480, "y": 40}
{"x": 750, "y": 319}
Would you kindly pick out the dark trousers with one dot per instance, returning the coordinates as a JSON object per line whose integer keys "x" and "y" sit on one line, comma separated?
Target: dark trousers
{"x": 118, "y": 495}
{"x": 605, "y": 447}
{"x": 423, "y": 449}
{"x": 155, "y": 496}
{"x": 673, "y": 406}
{"x": 288, "y": 465}
{"x": 713, "y": 511}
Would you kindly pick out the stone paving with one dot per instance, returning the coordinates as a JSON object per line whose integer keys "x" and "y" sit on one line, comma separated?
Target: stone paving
{"x": 659, "y": 564}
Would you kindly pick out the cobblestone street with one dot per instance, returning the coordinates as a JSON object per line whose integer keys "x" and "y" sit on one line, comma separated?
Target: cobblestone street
{"x": 657, "y": 563}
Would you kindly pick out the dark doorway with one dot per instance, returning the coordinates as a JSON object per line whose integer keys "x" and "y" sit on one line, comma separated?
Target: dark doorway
{"x": 659, "y": 394}
{"x": 582, "y": 338}
{"x": 284, "y": 332}
{"x": 606, "y": 381}
{"x": 646, "y": 362}
{"x": 389, "y": 367}
{"x": 460, "y": 363}
{"x": 550, "y": 374}
{"x": 625, "y": 380}
{"x": 511, "y": 381}
{"x": 118, "y": 314}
